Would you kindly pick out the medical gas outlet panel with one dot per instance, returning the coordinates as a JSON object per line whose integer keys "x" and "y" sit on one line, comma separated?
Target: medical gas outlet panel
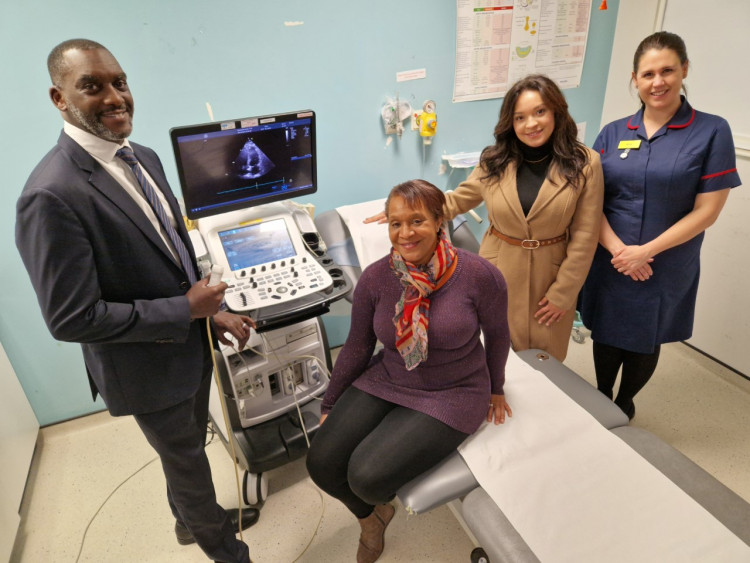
{"x": 276, "y": 368}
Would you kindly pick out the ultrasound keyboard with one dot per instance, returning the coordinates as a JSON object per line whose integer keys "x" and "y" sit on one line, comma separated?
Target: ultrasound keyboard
{"x": 275, "y": 282}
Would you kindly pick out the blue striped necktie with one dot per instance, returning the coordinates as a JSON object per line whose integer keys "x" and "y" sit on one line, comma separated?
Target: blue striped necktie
{"x": 126, "y": 154}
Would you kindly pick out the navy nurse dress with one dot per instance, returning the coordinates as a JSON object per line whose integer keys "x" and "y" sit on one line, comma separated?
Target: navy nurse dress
{"x": 646, "y": 192}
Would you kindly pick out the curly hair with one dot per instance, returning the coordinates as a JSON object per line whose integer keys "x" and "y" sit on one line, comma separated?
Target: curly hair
{"x": 569, "y": 155}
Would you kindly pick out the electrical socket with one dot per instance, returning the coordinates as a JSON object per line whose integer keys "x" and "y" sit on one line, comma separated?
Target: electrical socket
{"x": 287, "y": 377}
{"x": 257, "y": 385}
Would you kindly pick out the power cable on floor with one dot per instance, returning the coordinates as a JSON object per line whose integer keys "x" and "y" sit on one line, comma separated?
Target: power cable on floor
{"x": 211, "y": 436}
{"x": 117, "y": 488}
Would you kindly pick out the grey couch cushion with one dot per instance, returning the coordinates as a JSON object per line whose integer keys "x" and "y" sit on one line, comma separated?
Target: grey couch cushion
{"x": 493, "y": 531}
{"x": 577, "y": 388}
{"x": 726, "y": 506}
{"x": 503, "y": 543}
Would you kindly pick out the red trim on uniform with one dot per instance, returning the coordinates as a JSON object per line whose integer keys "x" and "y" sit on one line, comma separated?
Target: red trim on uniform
{"x": 601, "y": 151}
{"x": 706, "y": 177}
{"x": 632, "y": 126}
{"x": 692, "y": 116}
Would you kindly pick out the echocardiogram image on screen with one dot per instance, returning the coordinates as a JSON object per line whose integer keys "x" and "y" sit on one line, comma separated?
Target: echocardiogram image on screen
{"x": 252, "y": 163}
{"x": 246, "y": 162}
{"x": 256, "y": 244}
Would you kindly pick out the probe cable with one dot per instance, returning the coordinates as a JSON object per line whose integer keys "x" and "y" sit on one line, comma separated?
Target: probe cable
{"x": 227, "y": 425}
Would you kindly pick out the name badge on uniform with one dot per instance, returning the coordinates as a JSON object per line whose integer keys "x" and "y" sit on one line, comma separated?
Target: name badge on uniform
{"x": 628, "y": 145}
{"x": 634, "y": 144}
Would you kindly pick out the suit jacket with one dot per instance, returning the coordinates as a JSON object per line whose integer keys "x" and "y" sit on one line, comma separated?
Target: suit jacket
{"x": 104, "y": 278}
{"x": 556, "y": 271}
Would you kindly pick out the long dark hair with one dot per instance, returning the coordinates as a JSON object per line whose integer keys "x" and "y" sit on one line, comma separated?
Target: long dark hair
{"x": 569, "y": 155}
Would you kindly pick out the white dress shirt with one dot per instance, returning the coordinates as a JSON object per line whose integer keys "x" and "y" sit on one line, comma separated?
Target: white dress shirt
{"x": 104, "y": 153}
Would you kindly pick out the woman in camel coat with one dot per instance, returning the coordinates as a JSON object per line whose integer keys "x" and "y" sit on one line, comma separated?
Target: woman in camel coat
{"x": 544, "y": 191}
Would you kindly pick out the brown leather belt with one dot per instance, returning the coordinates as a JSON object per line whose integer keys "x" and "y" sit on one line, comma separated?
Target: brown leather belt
{"x": 528, "y": 244}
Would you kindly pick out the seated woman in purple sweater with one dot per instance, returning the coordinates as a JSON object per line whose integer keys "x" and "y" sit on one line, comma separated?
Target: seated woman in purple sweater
{"x": 397, "y": 414}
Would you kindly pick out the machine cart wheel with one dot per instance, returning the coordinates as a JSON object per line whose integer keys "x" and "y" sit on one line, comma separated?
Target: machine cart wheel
{"x": 578, "y": 335}
{"x": 254, "y": 488}
{"x": 478, "y": 555}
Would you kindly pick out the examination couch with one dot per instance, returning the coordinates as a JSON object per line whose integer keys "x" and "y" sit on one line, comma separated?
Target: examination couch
{"x": 451, "y": 481}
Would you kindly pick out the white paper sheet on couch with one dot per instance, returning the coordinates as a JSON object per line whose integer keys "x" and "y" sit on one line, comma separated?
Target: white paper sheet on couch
{"x": 370, "y": 241}
{"x": 577, "y": 493}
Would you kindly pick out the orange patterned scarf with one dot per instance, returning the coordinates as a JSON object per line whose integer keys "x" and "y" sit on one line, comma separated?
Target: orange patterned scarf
{"x": 413, "y": 308}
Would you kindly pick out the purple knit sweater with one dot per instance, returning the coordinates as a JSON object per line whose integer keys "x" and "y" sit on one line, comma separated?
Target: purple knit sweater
{"x": 454, "y": 384}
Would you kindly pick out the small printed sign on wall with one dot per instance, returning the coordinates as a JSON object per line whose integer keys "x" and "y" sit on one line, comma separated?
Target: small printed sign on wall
{"x": 405, "y": 75}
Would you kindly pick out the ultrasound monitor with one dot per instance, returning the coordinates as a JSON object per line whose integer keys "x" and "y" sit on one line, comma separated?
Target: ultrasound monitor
{"x": 230, "y": 165}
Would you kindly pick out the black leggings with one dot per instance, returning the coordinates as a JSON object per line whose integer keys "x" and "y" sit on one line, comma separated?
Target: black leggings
{"x": 368, "y": 448}
{"x": 637, "y": 369}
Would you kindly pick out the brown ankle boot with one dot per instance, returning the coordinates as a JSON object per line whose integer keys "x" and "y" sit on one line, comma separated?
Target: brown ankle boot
{"x": 372, "y": 539}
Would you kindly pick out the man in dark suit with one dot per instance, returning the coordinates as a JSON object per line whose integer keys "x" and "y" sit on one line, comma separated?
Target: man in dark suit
{"x": 108, "y": 273}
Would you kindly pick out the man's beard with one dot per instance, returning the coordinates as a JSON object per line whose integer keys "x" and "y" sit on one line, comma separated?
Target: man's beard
{"x": 93, "y": 125}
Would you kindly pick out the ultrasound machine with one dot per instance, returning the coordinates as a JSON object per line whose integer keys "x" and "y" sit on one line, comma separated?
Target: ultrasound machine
{"x": 237, "y": 180}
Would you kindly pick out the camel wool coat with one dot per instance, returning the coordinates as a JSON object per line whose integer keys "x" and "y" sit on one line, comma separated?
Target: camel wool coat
{"x": 556, "y": 271}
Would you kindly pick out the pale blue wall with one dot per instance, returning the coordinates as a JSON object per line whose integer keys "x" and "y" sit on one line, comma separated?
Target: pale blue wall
{"x": 239, "y": 56}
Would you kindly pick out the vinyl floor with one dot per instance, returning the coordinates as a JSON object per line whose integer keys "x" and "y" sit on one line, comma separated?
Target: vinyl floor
{"x": 96, "y": 490}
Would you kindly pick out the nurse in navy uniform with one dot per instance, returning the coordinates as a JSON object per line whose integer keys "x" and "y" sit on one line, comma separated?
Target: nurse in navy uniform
{"x": 668, "y": 170}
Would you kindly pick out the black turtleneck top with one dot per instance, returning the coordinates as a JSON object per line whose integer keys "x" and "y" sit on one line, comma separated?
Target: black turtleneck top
{"x": 532, "y": 172}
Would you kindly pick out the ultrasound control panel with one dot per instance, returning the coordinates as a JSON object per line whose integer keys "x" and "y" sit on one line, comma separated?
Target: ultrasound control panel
{"x": 275, "y": 282}
{"x": 275, "y": 264}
